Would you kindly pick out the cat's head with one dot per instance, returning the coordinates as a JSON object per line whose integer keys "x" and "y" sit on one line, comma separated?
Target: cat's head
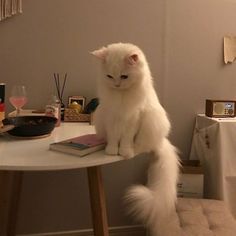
{"x": 123, "y": 65}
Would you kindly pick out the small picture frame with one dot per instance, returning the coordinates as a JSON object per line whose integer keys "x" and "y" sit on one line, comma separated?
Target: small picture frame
{"x": 79, "y": 99}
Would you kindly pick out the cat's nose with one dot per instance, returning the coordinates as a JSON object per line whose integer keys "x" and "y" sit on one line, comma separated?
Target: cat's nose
{"x": 117, "y": 83}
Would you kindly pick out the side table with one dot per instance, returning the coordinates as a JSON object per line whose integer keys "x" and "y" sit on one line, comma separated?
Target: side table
{"x": 214, "y": 144}
{"x": 18, "y": 155}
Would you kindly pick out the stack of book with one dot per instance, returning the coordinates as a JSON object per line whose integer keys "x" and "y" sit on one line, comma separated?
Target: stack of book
{"x": 79, "y": 146}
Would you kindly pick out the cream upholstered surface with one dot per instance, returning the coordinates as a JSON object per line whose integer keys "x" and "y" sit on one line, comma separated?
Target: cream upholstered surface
{"x": 198, "y": 217}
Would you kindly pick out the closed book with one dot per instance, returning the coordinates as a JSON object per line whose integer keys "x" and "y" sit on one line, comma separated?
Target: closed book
{"x": 80, "y": 146}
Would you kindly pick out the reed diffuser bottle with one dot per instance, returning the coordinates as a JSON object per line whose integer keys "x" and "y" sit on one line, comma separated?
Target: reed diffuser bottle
{"x": 60, "y": 91}
{"x": 53, "y": 108}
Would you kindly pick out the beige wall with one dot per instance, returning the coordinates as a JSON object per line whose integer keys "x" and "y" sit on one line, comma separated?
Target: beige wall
{"x": 195, "y": 69}
{"x": 183, "y": 41}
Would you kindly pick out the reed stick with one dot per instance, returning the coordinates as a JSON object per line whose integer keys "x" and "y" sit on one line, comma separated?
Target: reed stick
{"x": 60, "y": 90}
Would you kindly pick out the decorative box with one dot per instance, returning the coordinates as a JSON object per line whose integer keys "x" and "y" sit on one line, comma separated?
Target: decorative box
{"x": 74, "y": 115}
{"x": 191, "y": 180}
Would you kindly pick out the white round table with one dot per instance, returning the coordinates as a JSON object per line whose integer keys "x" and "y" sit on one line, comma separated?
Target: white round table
{"x": 19, "y": 154}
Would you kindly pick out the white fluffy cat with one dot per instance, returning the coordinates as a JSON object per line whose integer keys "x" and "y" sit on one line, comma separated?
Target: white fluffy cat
{"x": 132, "y": 121}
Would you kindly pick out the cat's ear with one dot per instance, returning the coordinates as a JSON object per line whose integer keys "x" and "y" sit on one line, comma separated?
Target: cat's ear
{"x": 132, "y": 59}
{"x": 100, "y": 53}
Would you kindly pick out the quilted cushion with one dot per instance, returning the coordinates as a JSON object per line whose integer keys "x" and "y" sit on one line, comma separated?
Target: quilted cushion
{"x": 198, "y": 217}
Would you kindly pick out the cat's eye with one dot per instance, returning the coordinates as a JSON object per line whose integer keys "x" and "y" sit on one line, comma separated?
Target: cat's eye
{"x": 124, "y": 76}
{"x": 109, "y": 76}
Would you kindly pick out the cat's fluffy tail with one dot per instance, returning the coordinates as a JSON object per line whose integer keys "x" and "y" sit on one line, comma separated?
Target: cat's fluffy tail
{"x": 153, "y": 204}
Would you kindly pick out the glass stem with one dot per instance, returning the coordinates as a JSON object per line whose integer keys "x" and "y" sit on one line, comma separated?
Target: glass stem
{"x": 17, "y": 111}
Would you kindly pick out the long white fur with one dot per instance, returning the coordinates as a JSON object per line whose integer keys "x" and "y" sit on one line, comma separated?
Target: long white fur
{"x": 133, "y": 121}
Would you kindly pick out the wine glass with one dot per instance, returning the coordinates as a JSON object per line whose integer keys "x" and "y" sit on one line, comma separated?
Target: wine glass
{"x": 18, "y": 97}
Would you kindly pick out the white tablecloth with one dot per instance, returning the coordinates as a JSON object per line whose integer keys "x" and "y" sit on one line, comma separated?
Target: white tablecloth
{"x": 214, "y": 144}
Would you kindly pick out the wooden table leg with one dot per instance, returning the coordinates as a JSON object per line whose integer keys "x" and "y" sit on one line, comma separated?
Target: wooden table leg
{"x": 97, "y": 200}
{"x": 10, "y": 186}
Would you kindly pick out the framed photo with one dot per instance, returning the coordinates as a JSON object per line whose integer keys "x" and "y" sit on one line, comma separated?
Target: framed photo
{"x": 79, "y": 99}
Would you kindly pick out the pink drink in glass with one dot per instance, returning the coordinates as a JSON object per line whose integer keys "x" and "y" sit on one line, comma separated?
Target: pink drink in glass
{"x": 18, "y": 102}
{"x": 18, "y": 97}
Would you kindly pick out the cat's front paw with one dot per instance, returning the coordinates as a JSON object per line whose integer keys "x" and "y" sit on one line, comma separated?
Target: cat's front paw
{"x": 126, "y": 152}
{"x": 111, "y": 150}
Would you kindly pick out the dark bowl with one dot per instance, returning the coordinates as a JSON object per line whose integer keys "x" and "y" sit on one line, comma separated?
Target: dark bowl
{"x": 30, "y": 126}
